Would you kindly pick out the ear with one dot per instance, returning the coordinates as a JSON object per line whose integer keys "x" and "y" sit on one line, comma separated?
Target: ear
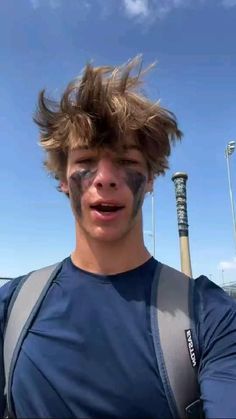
{"x": 149, "y": 184}
{"x": 64, "y": 186}
{"x": 149, "y": 187}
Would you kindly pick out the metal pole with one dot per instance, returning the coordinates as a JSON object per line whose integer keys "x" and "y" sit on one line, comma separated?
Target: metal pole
{"x": 231, "y": 194}
{"x": 223, "y": 279}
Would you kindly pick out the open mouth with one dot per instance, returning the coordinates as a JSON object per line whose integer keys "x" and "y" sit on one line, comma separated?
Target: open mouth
{"x": 107, "y": 208}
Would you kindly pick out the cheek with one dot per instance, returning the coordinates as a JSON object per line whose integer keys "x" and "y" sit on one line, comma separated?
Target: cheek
{"x": 136, "y": 182}
{"x": 79, "y": 182}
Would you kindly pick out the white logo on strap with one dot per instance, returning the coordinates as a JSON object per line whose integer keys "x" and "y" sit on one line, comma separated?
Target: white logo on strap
{"x": 191, "y": 350}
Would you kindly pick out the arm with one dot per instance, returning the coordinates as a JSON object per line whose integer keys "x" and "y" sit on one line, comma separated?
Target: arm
{"x": 217, "y": 335}
{"x": 2, "y": 380}
{"x": 6, "y": 292}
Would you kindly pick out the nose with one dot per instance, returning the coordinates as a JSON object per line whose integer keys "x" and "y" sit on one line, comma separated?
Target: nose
{"x": 107, "y": 175}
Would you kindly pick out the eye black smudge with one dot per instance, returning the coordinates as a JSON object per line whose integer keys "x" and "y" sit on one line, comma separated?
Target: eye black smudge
{"x": 136, "y": 182}
{"x": 78, "y": 183}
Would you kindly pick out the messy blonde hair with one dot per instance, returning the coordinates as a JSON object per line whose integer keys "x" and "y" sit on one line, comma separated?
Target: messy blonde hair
{"x": 98, "y": 109}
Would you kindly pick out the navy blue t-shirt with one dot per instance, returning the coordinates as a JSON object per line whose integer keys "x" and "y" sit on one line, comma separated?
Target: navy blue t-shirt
{"x": 90, "y": 354}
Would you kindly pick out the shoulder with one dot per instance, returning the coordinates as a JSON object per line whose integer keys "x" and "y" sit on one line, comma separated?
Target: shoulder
{"x": 6, "y": 293}
{"x": 210, "y": 299}
{"x": 216, "y": 327}
{"x": 215, "y": 313}
{"x": 11, "y": 288}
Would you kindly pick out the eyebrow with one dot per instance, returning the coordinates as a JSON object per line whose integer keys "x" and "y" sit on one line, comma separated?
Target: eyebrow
{"x": 125, "y": 148}
{"x": 83, "y": 148}
{"x": 131, "y": 147}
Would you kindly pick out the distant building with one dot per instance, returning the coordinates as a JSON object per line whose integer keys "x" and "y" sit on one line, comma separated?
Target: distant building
{"x": 230, "y": 288}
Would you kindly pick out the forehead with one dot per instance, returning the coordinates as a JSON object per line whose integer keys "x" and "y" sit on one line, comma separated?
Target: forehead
{"x": 128, "y": 144}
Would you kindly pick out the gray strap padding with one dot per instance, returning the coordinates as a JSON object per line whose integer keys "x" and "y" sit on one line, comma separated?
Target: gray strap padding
{"x": 25, "y": 304}
{"x": 170, "y": 318}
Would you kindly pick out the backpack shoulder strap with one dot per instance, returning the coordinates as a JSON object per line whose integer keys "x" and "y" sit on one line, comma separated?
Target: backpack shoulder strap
{"x": 172, "y": 324}
{"x": 24, "y": 305}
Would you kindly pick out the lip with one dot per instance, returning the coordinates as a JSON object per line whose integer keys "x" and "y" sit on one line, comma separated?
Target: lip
{"x": 106, "y": 202}
{"x": 99, "y": 216}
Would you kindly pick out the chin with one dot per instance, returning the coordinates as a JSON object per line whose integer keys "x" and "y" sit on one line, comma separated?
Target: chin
{"x": 109, "y": 236}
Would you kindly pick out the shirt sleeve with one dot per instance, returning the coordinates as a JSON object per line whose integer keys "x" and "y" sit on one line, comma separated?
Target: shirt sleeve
{"x": 6, "y": 292}
{"x": 216, "y": 328}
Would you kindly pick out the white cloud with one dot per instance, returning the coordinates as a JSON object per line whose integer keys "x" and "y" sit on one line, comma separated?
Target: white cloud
{"x": 141, "y": 10}
{"x": 228, "y": 3}
{"x": 136, "y": 8}
{"x": 151, "y": 9}
{"x": 228, "y": 265}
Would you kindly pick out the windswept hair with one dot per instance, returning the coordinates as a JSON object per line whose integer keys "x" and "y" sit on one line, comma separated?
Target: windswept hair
{"x": 99, "y": 109}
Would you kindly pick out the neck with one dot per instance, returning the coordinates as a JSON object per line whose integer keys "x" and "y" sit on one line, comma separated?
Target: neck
{"x": 110, "y": 257}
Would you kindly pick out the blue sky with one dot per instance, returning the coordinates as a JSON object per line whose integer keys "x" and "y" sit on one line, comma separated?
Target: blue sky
{"x": 46, "y": 43}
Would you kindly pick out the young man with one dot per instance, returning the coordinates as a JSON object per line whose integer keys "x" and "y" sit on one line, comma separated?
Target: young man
{"x": 89, "y": 351}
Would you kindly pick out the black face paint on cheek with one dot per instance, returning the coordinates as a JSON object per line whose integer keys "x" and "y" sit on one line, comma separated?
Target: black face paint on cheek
{"x": 78, "y": 183}
{"x": 136, "y": 182}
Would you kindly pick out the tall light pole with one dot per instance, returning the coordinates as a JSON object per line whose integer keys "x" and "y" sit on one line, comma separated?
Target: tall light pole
{"x": 228, "y": 152}
{"x": 152, "y": 232}
{"x": 223, "y": 277}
